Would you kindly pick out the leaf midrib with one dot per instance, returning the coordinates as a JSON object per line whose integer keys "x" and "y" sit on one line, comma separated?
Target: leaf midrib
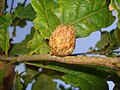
{"x": 46, "y": 17}
{"x": 87, "y": 16}
{"x": 37, "y": 48}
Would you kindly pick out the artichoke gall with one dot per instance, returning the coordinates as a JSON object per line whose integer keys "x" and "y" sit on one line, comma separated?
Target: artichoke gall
{"x": 62, "y": 40}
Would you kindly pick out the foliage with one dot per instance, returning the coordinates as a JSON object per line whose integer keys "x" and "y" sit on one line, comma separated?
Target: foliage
{"x": 77, "y": 78}
{"x": 25, "y": 12}
{"x": 17, "y": 82}
{"x": 38, "y": 44}
{"x": 86, "y": 16}
{"x": 46, "y": 21}
{"x": 109, "y": 41}
{"x": 115, "y": 5}
{"x": 5, "y": 22}
{"x": 4, "y": 70}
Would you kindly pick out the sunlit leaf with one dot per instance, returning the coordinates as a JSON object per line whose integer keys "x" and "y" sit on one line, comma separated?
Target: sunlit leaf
{"x": 4, "y": 34}
{"x": 115, "y": 5}
{"x": 25, "y": 12}
{"x": 46, "y": 21}
{"x": 38, "y": 45}
{"x": 86, "y": 16}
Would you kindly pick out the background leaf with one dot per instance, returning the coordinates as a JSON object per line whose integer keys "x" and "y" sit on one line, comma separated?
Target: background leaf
{"x": 86, "y": 16}
{"x": 80, "y": 75}
{"x": 4, "y": 34}
{"x": 22, "y": 46}
{"x": 31, "y": 73}
{"x": 115, "y": 5}
{"x": 86, "y": 82}
{"x": 119, "y": 21}
{"x": 104, "y": 41}
{"x": 117, "y": 35}
{"x": 4, "y": 69}
{"x": 109, "y": 42}
{"x": 38, "y": 45}
{"x": 17, "y": 85}
{"x": 46, "y": 21}
{"x": 44, "y": 82}
{"x": 25, "y": 12}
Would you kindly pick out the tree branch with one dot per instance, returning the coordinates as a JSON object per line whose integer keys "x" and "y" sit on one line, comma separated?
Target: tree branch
{"x": 89, "y": 60}
{"x": 11, "y": 8}
{"x": 91, "y": 52}
{"x": 2, "y": 7}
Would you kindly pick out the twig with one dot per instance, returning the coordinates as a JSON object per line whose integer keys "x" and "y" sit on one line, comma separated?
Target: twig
{"x": 24, "y": 3}
{"x": 91, "y": 52}
{"x": 90, "y": 60}
{"x": 11, "y": 8}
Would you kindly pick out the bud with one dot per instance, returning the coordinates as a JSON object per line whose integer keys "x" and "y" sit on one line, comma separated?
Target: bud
{"x": 62, "y": 41}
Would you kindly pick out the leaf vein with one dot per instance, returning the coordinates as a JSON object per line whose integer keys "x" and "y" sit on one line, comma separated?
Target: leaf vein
{"x": 86, "y": 16}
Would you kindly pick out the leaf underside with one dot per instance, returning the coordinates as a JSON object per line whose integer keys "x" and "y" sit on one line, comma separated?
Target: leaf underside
{"x": 84, "y": 81}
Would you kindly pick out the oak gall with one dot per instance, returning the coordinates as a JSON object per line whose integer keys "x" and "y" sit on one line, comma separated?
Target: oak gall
{"x": 62, "y": 40}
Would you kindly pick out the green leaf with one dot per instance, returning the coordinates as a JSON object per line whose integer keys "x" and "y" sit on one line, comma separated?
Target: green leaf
{"x": 22, "y": 22}
{"x": 104, "y": 41}
{"x": 86, "y": 82}
{"x": 113, "y": 41}
{"x": 30, "y": 75}
{"x": 3, "y": 71}
{"x": 38, "y": 45}
{"x": 115, "y": 5}
{"x": 119, "y": 21}
{"x": 22, "y": 47}
{"x": 4, "y": 34}
{"x": 25, "y": 12}
{"x": 96, "y": 70}
{"x": 44, "y": 82}
{"x": 117, "y": 35}
{"x": 1, "y": 20}
{"x": 76, "y": 77}
{"x": 46, "y": 21}
{"x": 17, "y": 85}
{"x": 86, "y": 16}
